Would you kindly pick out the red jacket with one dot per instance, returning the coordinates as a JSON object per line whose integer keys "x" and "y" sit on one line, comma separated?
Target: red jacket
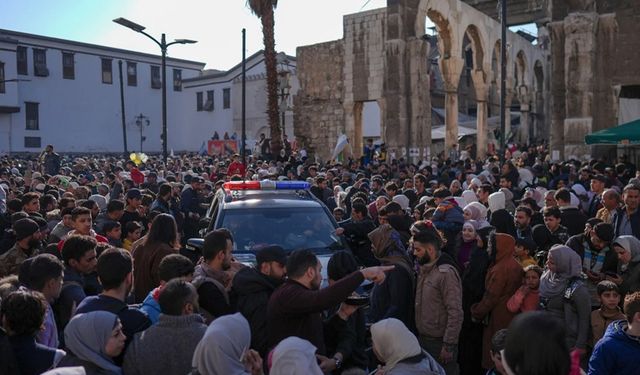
{"x": 236, "y": 168}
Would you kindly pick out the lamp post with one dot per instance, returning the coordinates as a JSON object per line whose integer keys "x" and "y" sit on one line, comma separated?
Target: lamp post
{"x": 163, "y": 48}
{"x": 141, "y": 122}
{"x": 284, "y": 87}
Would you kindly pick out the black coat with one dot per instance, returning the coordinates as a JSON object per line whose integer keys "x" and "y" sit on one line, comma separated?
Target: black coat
{"x": 356, "y": 233}
{"x": 394, "y": 298}
{"x": 252, "y": 291}
{"x": 573, "y": 219}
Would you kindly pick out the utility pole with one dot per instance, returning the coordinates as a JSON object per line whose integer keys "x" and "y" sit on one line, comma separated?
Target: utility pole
{"x": 124, "y": 123}
{"x": 503, "y": 77}
{"x": 244, "y": 98}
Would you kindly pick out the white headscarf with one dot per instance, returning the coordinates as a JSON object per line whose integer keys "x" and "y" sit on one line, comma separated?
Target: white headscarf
{"x": 295, "y": 356}
{"x": 469, "y": 196}
{"x": 497, "y": 201}
{"x": 402, "y": 200}
{"x": 631, "y": 245}
{"x": 223, "y": 344}
{"x": 393, "y": 342}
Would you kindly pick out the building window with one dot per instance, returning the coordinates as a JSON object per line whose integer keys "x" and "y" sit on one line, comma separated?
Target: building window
{"x": 177, "y": 80}
{"x": 156, "y": 81}
{"x": 208, "y": 105}
{"x": 32, "y": 142}
{"x": 199, "y": 101}
{"x": 2, "y": 89}
{"x": 40, "y": 62}
{"x": 226, "y": 98}
{"x": 23, "y": 68}
{"x": 107, "y": 72}
{"x": 68, "y": 66}
{"x": 132, "y": 75}
{"x": 31, "y": 111}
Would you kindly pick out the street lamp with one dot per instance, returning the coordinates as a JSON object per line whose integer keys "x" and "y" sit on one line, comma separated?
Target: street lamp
{"x": 284, "y": 87}
{"x": 141, "y": 122}
{"x": 163, "y": 47}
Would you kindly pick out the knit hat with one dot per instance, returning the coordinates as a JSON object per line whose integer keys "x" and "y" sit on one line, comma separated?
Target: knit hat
{"x": 24, "y": 228}
{"x": 604, "y": 231}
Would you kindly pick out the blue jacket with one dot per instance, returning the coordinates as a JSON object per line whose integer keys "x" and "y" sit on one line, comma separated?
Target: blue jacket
{"x": 151, "y": 306}
{"x": 616, "y": 353}
{"x": 448, "y": 216}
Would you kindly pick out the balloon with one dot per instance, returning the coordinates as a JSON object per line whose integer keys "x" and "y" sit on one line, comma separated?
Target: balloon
{"x": 132, "y": 156}
{"x": 143, "y": 157}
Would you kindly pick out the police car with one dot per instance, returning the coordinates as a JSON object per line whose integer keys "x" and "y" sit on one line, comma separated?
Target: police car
{"x": 261, "y": 213}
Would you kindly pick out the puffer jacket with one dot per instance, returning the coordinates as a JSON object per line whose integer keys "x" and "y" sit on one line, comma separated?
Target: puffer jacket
{"x": 617, "y": 353}
{"x": 439, "y": 300}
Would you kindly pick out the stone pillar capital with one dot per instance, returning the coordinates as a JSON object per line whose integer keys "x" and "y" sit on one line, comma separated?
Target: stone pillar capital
{"x": 451, "y": 68}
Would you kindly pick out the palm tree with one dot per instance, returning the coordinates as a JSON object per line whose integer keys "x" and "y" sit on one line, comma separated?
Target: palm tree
{"x": 263, "y": 9}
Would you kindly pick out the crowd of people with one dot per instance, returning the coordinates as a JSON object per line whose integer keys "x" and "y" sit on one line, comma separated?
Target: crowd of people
{"x": 455, "y": 266}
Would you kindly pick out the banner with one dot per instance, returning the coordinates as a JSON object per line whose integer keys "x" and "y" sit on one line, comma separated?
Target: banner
{"x": 222, "y": 147}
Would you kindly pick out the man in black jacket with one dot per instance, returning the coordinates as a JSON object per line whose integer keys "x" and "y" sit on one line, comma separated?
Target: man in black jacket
{"x": 356, "y": 230}
{"x": 252, "y": 288}
{"x": 570, "y": 216}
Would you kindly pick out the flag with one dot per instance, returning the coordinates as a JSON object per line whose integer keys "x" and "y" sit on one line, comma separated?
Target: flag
{"x": 341, "y": 144}
{"x": 203, "y": 150}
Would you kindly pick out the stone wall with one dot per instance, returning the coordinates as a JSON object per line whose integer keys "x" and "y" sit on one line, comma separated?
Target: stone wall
{"x": 318, "y": 106}
{"x": 364, "y": 36}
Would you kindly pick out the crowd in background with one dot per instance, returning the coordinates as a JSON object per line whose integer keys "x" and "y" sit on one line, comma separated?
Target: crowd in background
{"x": 515, "y": 266}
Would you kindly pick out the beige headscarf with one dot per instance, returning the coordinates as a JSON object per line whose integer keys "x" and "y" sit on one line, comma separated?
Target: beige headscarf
{"x": 393, "y": 342}
{"x": 295, "y": 356}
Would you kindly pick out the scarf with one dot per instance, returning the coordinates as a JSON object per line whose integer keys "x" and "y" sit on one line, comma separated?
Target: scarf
{"x": 393, "y": 342}
{"x": 568, "y": 266}
{"x": 295, "y": 356}
{"x": 631, "y": 245}
{"x": 593, "y": 260}
{"x": 86, "y": 336}
{"x": 223, "y": 345}
{"x": 386, "y": 245}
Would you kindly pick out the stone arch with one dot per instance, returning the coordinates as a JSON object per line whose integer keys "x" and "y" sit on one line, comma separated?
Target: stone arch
{"x": 445, "y": 32}
{"x": 473, "y": 33}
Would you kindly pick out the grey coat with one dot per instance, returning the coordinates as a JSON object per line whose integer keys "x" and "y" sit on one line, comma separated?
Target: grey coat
{"x": 165, "y": 348}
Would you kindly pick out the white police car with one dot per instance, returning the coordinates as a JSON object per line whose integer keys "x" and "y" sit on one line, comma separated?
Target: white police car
{"x": 261, "y": 213}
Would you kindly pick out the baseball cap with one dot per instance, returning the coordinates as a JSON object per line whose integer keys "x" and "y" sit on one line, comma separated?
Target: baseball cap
{"x": 271, "y": 253}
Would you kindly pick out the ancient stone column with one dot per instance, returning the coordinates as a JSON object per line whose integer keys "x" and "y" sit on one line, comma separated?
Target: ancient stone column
{"x": 525, "y": 109}
{"x": 580, "y": 48}
{"x": 558, "y": 94}
{"x": 451, "y": 69}
{"x": 481, "y": 84}
{"x": 420, "y": 96}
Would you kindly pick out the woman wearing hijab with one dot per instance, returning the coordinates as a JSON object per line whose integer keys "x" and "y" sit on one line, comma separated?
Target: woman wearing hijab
{"x": 398, "y": 349}
{"x": 473, "y": 280}
{"x": 503, "y": 279}
{"x": 394, "y": 298}
{"x": 224, "y": 349}
{"x": 468, "y": 243}
{"x": 628, "y": 250}
{"x": 478, "y": 212}
{"x": 294, "y": 356}
{"x": 93, "y": 340}
{"x": 469, "y": 196}
{"x": 564, "y": 295}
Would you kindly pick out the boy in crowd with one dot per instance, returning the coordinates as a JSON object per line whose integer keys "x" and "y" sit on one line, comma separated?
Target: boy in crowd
{"x": 497, "y": 346}
{"x": 609, "y": 310}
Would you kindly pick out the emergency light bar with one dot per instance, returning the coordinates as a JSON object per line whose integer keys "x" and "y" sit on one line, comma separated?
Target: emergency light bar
{"x": 266, "y": 185}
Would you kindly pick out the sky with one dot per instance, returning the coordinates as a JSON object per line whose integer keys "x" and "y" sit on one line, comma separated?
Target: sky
{"x": 215, "y": 24}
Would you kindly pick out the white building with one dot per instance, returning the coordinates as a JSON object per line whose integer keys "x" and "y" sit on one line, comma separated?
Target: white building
{"x": 67, "y": 93}
{"x": 214, "y": 100}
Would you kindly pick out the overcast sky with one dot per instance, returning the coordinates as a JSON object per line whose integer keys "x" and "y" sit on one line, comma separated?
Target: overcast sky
{"x": 215, "y": 24}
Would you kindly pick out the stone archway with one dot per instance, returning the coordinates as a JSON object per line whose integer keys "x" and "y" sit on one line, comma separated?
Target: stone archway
{"x": 523, "y": 96}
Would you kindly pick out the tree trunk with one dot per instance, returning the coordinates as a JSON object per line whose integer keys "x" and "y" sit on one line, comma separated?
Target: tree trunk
{"x": 270, "y": 62}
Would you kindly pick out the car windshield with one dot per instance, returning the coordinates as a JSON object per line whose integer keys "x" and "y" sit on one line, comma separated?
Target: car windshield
{"x": 291, "y": 228}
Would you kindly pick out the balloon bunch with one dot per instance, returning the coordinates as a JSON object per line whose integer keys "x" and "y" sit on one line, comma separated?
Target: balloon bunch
{"x": 138, "y": 158}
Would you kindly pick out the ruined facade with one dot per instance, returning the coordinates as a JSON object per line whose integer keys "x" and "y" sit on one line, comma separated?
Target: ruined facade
{"x": 383, "y": 57}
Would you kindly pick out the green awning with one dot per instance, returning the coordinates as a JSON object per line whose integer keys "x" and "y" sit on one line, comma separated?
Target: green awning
{"x": 625, "y": 134}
